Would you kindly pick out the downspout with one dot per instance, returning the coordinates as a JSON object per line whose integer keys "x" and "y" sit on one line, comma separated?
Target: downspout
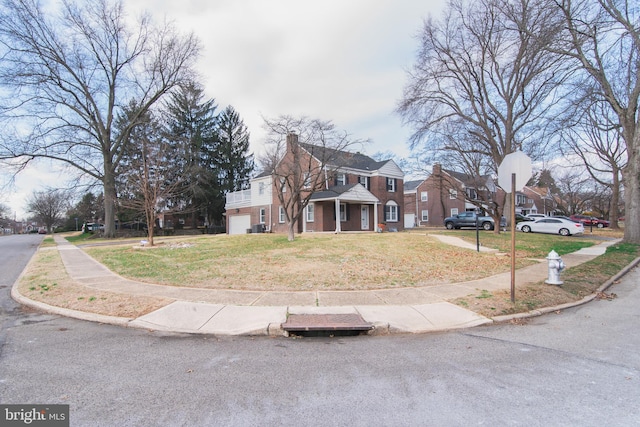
{"x": 417, "y": 221}
{"x": 338, "y": 228}
{"x": 326, "y": 179}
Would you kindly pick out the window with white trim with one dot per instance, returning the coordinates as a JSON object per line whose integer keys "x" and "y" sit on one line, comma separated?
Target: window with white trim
{"x": 363, "y": 181}
{"x": 263, "y": 215}
{"x": 453, "y": 193}
{"x": 391, "y": 185}
{"x": 341, "y": 179}
{"x": 391, "y": 211}
{"x": 424, "y": 196}
{"x": 283, "y": 185}
{"x": 343, "y": 212}
{"x": 307, "y": 180}
{"x": 281, "y": 216}
{"x": 472, "y": 194}
{"x": 454, "y": 211}
{"x": 310, "y": 212}
{"x": 425, "y": 216}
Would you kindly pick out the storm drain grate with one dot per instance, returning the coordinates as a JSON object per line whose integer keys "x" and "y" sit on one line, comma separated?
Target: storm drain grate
{"x": 326, "y": 322}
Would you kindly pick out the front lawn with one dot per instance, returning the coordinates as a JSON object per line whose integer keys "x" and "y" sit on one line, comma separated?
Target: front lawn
{"x": 322, "y": 261}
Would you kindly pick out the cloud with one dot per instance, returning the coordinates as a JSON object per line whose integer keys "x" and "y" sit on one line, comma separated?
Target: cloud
{"x": 339, "y": 60}
{"x": 336, "y": 60}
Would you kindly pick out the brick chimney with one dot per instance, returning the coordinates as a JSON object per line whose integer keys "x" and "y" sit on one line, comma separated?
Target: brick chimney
{"x": 292, "y": 142}
{"x": 437, "y": 169}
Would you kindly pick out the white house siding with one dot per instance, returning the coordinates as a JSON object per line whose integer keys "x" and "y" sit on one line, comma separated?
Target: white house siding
{"x": 258, "y": 199}
{"x": 391, "y": 170}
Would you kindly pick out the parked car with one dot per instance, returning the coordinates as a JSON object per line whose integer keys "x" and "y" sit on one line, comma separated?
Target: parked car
{"x": 520, "y": 218}
{"x": 590, "y": 220}
{"x": 468, "y": 220}
{"x": 535, "y": 216}
{"x": 552, "y": 225}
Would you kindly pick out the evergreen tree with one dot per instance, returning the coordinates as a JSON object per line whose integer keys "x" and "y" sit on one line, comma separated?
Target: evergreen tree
{"x": 192, "y": 125}
{"x": 235, "y": 164}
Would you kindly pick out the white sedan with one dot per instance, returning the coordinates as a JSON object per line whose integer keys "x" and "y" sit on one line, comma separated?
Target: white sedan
{"x": 551, "y": 225}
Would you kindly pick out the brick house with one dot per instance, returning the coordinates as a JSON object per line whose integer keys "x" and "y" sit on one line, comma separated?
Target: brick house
{"x": 355, "y": 189}
{"x": 444, "y": 193}
{"x": 535, "y": 200}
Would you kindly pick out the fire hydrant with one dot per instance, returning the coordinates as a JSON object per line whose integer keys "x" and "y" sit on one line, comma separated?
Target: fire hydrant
{"x": 556, "y": 265}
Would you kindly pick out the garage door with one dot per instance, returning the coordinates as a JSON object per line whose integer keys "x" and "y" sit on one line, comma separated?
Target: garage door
{"x": 409, "y": 220}
{"x": 238, "y": 224}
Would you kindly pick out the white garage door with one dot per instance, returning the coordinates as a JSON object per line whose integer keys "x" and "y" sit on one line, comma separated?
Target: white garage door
{"x": 238, "y": 224}
{"x": 409, "y": 220}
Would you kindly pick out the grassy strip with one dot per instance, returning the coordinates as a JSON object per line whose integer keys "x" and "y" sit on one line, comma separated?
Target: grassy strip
{"x": 47, "y": 281}
{"x": 530, "y": 245}
{"x": 579, "y": 282}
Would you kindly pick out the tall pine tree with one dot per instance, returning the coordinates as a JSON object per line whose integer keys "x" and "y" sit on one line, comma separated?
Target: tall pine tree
{"x": 192, "y": 121}
{"x": 235, "y": 162}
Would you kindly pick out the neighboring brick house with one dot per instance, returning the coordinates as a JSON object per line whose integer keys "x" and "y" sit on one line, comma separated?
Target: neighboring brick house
{"x": 358, "y": 190}
{"x": 535, "y": 200}
{"x": 444, "y": 193}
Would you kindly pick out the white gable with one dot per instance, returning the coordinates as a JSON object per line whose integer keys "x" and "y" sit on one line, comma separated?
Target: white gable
{"x": 360, "y": 194}
{"x": 391, "y": 170}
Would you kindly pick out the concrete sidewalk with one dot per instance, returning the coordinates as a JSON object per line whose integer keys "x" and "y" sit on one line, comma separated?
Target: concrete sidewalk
{"x": 229, "y": 312}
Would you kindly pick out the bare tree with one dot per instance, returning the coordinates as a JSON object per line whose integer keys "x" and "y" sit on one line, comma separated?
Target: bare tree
{"x": 4, "y": 211}
{"x": 302, "y": 154}
{"x": 149, "y": 176}
{"x": 574, "y": 189}
{"x": 482, "y": 84}
{"x": 604, "y": 38}
{"x": 67, "y": 74}
{"x": 595, "y": 139}
{"x": 48, "y": 207}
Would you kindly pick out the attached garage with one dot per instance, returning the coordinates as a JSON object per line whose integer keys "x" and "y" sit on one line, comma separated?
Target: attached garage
{"x": 409, "y": 220}
{"x": 238, "y": 224}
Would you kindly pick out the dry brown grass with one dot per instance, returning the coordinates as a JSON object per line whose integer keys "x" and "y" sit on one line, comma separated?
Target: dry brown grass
{"x": 46, "y": 280}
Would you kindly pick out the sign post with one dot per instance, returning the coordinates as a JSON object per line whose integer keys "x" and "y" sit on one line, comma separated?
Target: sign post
{"x": 513, "y": 173}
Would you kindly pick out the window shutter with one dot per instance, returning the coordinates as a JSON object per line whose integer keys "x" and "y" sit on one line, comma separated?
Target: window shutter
{"x": 346, "y": 208}
{"x": 386, "y": 213}
{"x": 346, "y": 179}
{"x": 368, "y": 182}
{"x": 395, "y": 184}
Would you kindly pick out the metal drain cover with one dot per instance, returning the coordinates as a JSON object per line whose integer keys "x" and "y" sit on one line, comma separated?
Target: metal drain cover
{"x": 326, "y": 322}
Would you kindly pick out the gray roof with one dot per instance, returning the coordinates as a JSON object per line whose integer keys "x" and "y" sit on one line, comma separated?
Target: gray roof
{"x": 332, "y": 192}
{"x": 412, "y": 185}
{"x": 466, "y": 179}
{"x": 342, "y": 158}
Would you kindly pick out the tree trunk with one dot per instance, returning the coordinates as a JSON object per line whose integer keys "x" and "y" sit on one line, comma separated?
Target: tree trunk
{"x": 615, "y": 202}
{"x": 631, "y": 177}
{"x": 291, "y": 234}
{"x": 151, "y": 225}
{"x": 110, "y": 196}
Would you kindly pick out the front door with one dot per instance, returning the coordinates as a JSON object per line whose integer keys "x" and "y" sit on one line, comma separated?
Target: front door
{"x": 364, "y": 217}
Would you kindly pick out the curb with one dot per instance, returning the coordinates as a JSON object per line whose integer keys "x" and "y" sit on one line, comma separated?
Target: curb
{"x": 588, "y": 298}
{"x": 67, "y": 312}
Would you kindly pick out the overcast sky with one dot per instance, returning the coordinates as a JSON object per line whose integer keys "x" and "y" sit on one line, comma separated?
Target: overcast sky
{"x": 338, "y": 60}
